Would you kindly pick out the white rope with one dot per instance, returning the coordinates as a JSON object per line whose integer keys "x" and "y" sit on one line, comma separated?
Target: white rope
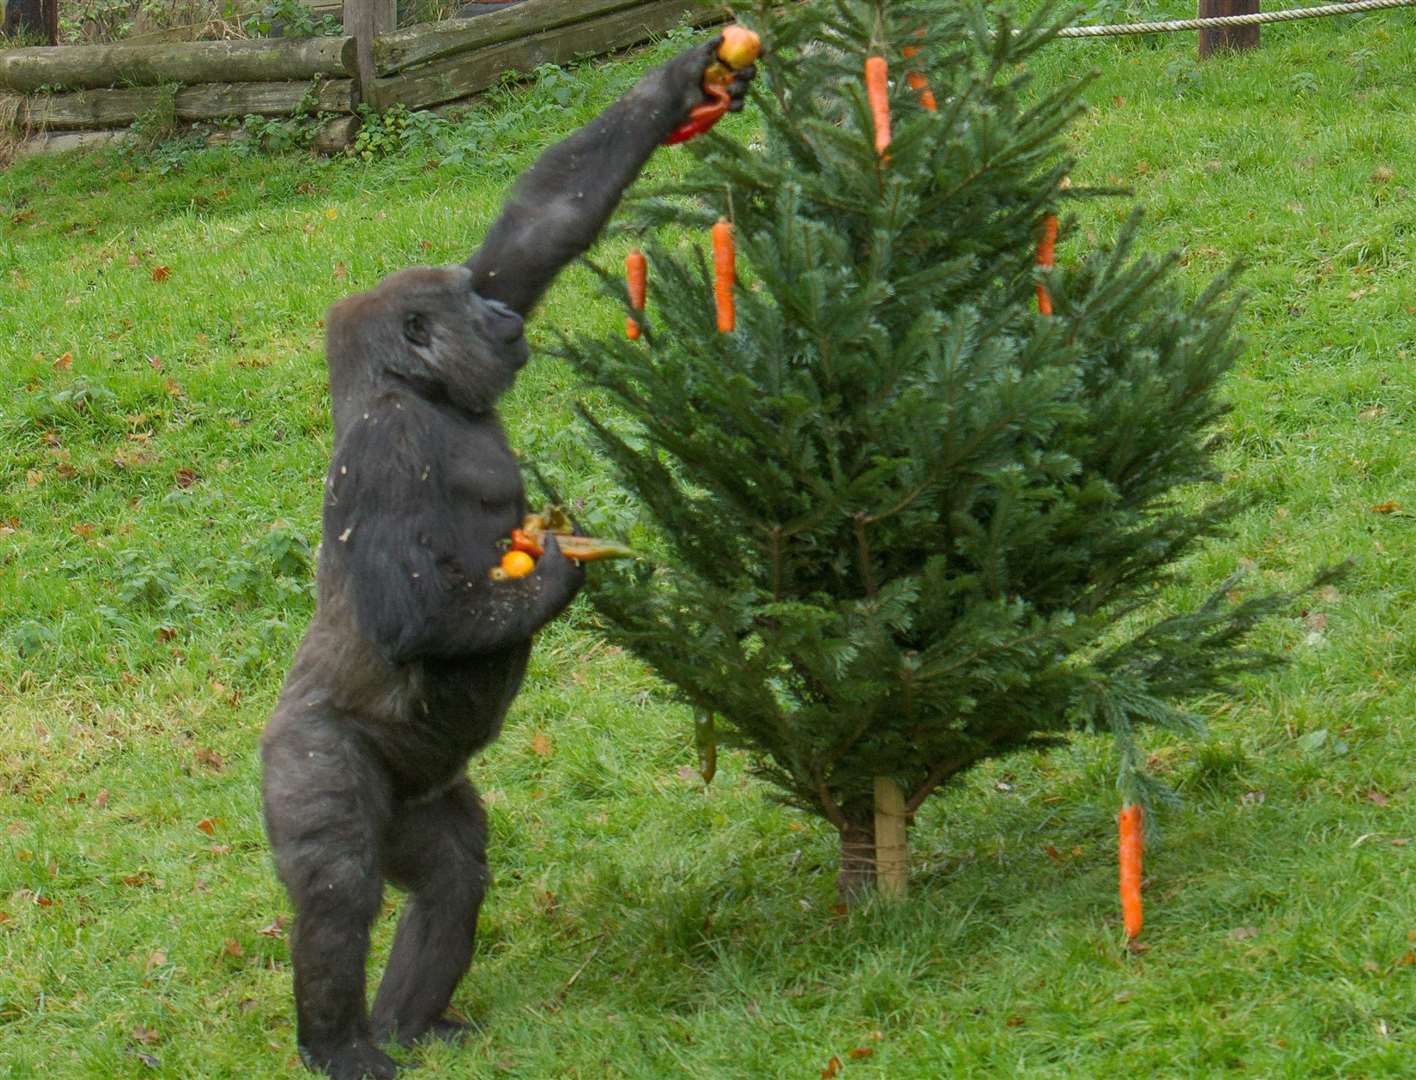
{"x": 1231, "y": 20}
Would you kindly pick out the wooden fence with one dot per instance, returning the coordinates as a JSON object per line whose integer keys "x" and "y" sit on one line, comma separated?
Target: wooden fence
{"x": 76, "y": 95}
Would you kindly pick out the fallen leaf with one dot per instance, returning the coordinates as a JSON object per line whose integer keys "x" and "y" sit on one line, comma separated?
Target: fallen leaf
{"x": 166, "y": 633}
{"x": 833, "y": 1068}
{"x": 101, "y": 799}
{"x": 1378, "y": 797}
{"x": 161, "y": 273}
{"x": 85, "y": 531}
{"x": 1371, "y": 966}
{"x": 185, "y": 478}
{"x": 155, "y": 959}
{"x": 541, "y": 744}
{"x": 1014, "y": 1021}
{"x": 1386, "y": 508}
{"x": 150, "y": 1061}
{"x": 1401, "y": 841}
{"x": 275, "y": 929}
{"x": 208, "y": 825}
{"x": 232, "y": 947}
{"x": 146, "y": 1036}
{"x": 860, "y": 1052}
{"x": 341, "y": 272}
{"x": 65, "y": 362}
{"x": 209, "y": 758}
{"x": 1053, "y": 854}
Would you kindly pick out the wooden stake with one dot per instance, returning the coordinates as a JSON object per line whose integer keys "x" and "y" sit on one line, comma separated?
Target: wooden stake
{"x": 1227, "y": 37}
{"x": 892, "y": 850}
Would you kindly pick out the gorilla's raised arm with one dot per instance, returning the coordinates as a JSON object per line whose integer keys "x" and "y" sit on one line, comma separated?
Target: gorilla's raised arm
{"x": 559, "y": 205}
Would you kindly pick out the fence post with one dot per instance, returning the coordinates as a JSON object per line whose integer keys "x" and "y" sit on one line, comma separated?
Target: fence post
{"x": 365, "y": 20}
{"x": 1227, "y": 37}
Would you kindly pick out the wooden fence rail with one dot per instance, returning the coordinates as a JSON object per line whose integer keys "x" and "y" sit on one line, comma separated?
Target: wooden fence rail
{"x": 87, "y": 67}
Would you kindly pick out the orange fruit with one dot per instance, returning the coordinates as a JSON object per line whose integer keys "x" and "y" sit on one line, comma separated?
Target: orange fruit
{"x": 740, "y": 46}
{"x": 517, "y": 564}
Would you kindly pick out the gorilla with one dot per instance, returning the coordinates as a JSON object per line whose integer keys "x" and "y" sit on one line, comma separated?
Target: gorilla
{"x": 413, "y": 653}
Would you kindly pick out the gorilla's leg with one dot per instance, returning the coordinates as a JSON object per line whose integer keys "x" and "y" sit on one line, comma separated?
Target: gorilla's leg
{"x": 437, "y": 850}
{"x": 327, "y": 806}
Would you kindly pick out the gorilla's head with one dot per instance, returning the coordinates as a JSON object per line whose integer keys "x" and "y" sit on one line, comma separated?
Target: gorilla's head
{"x": 425, "y": 328}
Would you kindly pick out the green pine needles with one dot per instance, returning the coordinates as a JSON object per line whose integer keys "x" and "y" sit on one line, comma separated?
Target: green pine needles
{"x": 903, "y": 523}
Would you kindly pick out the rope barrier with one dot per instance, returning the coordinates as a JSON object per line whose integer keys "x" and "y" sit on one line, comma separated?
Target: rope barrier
{"x": 1231, "y": 20}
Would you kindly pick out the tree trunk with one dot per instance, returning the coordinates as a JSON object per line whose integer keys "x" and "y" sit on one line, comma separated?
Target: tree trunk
{"x": 37, "y": 20}
{"x": 892, "y": 851}
{"x": 856, "y": 880}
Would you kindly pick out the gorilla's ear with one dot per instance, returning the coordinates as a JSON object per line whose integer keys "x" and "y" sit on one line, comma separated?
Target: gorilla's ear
{"x": 415, "y": 328}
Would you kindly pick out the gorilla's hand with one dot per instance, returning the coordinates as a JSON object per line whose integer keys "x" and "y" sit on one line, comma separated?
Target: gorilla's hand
{"x": 561, "y": 578}
{"x": 682, "y": 79}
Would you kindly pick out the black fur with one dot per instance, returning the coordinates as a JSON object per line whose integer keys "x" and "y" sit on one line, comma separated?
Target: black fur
{"x": 414, "y": 654}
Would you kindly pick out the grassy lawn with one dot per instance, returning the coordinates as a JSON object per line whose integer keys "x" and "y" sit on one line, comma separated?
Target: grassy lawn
{"x": 163, "y": 439}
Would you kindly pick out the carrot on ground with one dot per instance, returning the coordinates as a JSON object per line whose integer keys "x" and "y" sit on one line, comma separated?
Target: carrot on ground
{"x": 1046, "y": 252}
{"x": 636, "y": 271}
{"x": 1129, "y": 849}
{"x": 877, "y": 92}
{"x": 724, "y": 273}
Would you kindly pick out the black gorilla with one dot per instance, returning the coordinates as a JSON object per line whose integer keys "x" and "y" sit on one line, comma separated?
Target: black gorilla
{"x": 414, "y": 654}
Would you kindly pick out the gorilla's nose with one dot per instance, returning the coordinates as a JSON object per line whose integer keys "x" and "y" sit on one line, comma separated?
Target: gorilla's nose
{"x": 503, "y": 324}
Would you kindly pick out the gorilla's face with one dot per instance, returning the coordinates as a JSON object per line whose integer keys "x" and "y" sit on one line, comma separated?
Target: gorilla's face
{"x": 426, "y": 327}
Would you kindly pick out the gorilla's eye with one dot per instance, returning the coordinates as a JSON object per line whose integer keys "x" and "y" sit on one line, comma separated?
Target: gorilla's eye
{"x": 415, "y": 328}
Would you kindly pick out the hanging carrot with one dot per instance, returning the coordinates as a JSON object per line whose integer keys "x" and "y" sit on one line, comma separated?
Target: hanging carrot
{"x": 877, "y": 92}
{"x": 918, "y": 83}
{"x": 1046, "y": 251}
{"x": 1130, "y": 859}
{"x": 724, "y": 255}
{"x": 636, "y": 272}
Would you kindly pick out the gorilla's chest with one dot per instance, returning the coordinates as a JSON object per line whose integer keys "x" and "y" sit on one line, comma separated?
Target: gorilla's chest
{"x": 485, "y": 496}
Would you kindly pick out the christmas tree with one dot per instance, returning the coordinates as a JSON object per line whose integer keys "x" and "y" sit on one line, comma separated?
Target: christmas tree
{"x": 901, "y": 521}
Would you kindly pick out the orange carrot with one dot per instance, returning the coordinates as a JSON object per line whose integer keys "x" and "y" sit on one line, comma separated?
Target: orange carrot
{"x": 918, "y": 83}
{"x": 1130, "y": 859}
{"x": 877, "y": 92}
{"x": 636, "y": 271}
{"x": 1046, "y": 249}
{"x": 724, "y": 272}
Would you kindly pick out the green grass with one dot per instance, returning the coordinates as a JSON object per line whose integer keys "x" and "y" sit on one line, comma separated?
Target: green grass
{"x": 159, "y": 495}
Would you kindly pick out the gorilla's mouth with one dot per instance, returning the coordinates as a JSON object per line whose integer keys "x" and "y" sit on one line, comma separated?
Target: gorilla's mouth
{"x": 502, "y": 324}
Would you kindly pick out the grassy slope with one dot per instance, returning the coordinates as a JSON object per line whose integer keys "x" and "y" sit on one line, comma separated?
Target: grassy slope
{"x": 640, "y": 927}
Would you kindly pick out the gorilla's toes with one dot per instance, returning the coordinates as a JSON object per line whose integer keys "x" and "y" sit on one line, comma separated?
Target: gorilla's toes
{"x": 355, "y": 1060}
